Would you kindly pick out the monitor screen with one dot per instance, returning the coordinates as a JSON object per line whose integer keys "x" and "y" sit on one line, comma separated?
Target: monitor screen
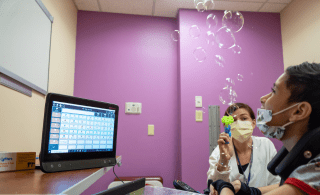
{"x": 78, "y": 128}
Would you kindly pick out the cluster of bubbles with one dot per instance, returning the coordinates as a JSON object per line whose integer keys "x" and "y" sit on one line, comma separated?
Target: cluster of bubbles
{"x": 232, "y": 22}
{"x": 228, "y": 93}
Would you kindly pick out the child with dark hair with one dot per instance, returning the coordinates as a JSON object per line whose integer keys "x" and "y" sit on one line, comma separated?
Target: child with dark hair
{"x": 291, "y": 114}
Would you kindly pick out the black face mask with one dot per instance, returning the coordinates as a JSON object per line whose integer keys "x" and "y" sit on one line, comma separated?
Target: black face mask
{"x": 284, "y": 163}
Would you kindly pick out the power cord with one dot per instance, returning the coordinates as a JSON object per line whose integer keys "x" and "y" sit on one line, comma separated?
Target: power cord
{"x": 116, "y": 175}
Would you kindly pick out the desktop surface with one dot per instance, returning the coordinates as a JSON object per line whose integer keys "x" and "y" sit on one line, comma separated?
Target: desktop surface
{"x": 37, "y": 182}
{"x": 153, "y": 190}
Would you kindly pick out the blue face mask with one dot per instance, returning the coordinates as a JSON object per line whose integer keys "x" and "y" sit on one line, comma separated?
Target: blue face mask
{"x": 265, "y": 116}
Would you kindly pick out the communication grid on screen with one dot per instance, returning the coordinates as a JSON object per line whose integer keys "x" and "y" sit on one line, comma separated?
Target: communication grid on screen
{"x": 78, "y": 128}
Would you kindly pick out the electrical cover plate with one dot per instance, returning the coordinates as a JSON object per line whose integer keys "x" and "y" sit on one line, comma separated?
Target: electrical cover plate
{"x": 198, "y": 101}
{"x": 133, "y": 108}
{"x": 199, "y": 115}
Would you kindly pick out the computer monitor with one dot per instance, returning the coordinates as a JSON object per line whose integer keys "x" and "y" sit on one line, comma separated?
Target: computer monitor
{"x": 134, "y": 187}
{"x": 78, "y": 133}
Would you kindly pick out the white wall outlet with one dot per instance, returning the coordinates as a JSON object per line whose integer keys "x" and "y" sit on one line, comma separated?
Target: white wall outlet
{"x": 128, "y": 107}
{"x": 139, "y": 108}
{"x": 133, "y": 108}
{"x": 199, "y": 101}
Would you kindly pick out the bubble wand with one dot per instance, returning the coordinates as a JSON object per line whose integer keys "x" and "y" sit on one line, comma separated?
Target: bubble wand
{"x": 227, "y": 120}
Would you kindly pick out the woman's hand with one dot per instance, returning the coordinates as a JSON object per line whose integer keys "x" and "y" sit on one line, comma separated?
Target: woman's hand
{"x": 226, "y": 150}
{"x": 221, "y": 187}
{"x": 213, "y": 191}
{"x": 236, "y": 185}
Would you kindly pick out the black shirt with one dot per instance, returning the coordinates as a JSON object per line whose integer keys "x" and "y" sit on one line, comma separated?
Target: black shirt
{"x": 244, "y": 167}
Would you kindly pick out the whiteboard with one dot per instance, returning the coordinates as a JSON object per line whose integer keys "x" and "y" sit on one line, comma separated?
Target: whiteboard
{"x": 25, "y": 37}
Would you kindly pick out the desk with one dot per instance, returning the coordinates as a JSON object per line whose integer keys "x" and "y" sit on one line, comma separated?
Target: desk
{"x": 37, "y": 182}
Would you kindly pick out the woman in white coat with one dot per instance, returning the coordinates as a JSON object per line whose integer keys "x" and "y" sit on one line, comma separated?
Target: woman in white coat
{"x": 246, "y": 157}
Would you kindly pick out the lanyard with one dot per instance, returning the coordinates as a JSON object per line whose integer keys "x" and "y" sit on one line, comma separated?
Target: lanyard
{"x": 251, "y": 159}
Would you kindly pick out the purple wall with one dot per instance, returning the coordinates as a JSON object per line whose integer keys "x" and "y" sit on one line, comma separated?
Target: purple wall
{"x": 260, "y": 63}
{"x": 127, "y": 58}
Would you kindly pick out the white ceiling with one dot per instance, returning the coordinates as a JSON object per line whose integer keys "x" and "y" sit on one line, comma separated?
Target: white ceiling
{"x": 169, "y": 8}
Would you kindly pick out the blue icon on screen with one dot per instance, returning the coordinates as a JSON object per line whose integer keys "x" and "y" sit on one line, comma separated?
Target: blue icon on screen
{"x": 53, "y": 146}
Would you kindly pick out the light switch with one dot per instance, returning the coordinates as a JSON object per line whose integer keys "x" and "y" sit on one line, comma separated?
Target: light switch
{"x": 199, "y": 101}
{"x": 150, "y": 129}
{"x": 199, "y": 115}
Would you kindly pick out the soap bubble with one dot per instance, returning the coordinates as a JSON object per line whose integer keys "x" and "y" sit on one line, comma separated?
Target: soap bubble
{"x": 234, "y": 94}
{"x": 230, "y": 82}
{"x": 236, "y": 49}
{"x": 224, "y": 38}
{"x": 240, "y": 77}
{"x": 227, "y": 15}
{"x": 199, "y": 5}
{"x": 202, "y": 5}
{"x": 197, "y": 1}
{"x": 200, "y": 54}
{"x": 227, "y": 94}
{"x": 210, "y": 38}
{"x": 212, "y": 21}
{"x": 194, "y": 31}
{"x": 219, "y": 60}
{"x": 233, "y": 20}
{"x": 208, "y": 4}
{"x": 175, "y": 35}
{"x": 224, "y": 95}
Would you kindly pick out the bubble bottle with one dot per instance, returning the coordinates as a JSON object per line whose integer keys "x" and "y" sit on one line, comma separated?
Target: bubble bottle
{"x": 227, "y": 120}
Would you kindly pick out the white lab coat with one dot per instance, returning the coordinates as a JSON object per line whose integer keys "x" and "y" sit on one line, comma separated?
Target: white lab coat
{"x": 263, "y": 153}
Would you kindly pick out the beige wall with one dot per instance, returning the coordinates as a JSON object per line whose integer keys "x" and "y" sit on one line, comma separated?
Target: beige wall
{"x": 300, "y": 28}
{"x": 21, "y": 116}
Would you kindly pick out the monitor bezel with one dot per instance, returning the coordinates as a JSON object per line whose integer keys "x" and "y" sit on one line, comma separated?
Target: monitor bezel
{"x": 45, "y": 156}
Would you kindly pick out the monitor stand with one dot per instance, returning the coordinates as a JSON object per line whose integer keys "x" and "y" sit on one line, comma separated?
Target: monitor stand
{"x": 50, "y": 167}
